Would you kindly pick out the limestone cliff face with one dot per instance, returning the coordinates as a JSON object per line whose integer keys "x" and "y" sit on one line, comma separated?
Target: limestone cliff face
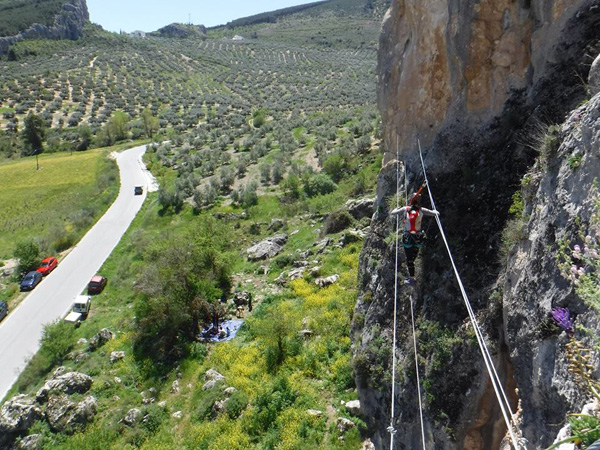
{"x": 67, "y": 25}
{"x": 449, "y": 62}
{"x": 478, "y": 82}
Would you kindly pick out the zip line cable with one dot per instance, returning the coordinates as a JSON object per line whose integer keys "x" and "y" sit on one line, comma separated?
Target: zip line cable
{"x": 500, "y": 394}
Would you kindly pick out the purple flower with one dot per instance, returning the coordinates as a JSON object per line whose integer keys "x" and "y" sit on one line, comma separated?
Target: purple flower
{"x": 562, "y": 319}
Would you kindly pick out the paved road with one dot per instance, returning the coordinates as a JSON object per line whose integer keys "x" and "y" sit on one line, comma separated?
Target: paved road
{"x": 20, "y": 332}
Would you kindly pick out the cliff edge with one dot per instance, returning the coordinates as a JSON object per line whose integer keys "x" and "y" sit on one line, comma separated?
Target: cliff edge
{"x": 491, "y": 90}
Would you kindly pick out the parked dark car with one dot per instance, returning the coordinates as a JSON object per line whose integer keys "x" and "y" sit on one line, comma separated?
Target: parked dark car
{"x": 138, "y": 190}
{"x": 31, "y": 280}
{"x": 3, "y": 310}
{"x": 47, "y": 265}
{"x": 96, "y": 284}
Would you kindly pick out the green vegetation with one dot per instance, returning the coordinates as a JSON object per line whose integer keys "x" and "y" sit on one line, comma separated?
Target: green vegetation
{"x": 77, "y": 189}
{"x": 249, "y": 127}
{"x": 18, "y": 15}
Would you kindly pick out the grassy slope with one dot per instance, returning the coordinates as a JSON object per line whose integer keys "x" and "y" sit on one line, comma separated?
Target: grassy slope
{"x": 315, "y": 374}
{"x": 64, "y": 184}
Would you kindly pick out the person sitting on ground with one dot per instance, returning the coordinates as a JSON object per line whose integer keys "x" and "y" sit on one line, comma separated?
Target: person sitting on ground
{"x": 413, "y": 236}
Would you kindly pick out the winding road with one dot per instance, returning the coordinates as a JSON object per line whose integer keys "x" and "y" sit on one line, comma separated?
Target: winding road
{"x": 20, "y": 332}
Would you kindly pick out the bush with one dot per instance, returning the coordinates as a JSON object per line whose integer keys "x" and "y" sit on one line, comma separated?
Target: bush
{"x": 28, "y": 254}
{"x": 319, "y": 184}
{"x": 236, "y": 405}
{"x": 337, "y": 221}
{"x": 57, "y": 340}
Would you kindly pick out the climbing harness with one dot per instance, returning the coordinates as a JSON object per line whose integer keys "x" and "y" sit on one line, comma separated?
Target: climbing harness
{"x": 497, "y": 385}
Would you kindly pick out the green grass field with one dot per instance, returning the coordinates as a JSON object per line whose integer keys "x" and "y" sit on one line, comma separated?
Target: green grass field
{"x": 65, "y": 195}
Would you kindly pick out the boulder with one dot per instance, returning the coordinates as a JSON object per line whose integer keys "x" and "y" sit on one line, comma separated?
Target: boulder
{"x": 353, "y": 407}
{"x": 594, "y": 77}
{"x": 276, "y": 225}
{"x": 314, "y": 412}
{"x": 67, "y": 383}
{"x": 230, "y": 391}
{"x": 177, "y": 415}
{"x": 65, "y": 416}
{"x": 132, "y": 417}
{"x": 211, "y": 378}
{"x": 322, "y": 245}
{"x": 344, "y": 424}
{"x": 296, "y": 273}
{"x": 16, "y": 416}
{"x": 175, "y": 387}
{"x": 219, "y": 408}
{"x": 327, "y": 281}
{"x": 31, "y": 442}
{"x": 360, "y": 208}
{"x": 116, "y": 356}
{"x": 103, "y": 336}
{"x": 241, "y": 298}
{"x": 267, "y": 248}
{"x": 351, "y": 236}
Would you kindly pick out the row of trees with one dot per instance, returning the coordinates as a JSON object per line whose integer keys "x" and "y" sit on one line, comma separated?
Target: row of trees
{"x": 35, "y": 133}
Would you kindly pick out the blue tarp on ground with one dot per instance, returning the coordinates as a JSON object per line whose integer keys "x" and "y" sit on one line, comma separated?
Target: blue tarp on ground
{"x": 232, "y": 325}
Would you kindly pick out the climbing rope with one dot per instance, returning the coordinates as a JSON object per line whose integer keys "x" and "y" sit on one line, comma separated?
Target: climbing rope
{"x": 500, "y": 394}
{"x": 391, "y": 428}
{"x": 412, "y": 315}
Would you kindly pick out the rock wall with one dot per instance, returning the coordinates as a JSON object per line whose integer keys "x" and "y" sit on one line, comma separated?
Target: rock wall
{"x": 478, "y": 82}
{"x": 67, "y": 25}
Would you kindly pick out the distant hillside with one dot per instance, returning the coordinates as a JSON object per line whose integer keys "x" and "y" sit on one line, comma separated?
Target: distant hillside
{"x": 325, "y": 24}
{"x": 272, "y": 15}
{"x": 18, "y": 15}
{"x": 41, "y": 19}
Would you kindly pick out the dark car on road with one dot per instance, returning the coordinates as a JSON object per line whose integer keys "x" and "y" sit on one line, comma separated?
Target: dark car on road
{"x": 3, "y": 310}
{"x": 96, "y": 284}
{"x": 47, "y": 265}
{"x": 138, "y": 190}
{"x": 31, "y": 280}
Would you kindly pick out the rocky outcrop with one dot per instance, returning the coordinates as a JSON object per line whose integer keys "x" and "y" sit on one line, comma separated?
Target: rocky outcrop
{"x": 459, "y": 63}
{"x": 67, "y": 25}
{"x": 561, "y": 198}
{"x": 101, "y": 338}
{"x": 478, "y": 82}
{"x": 65, "y": 416}
{"x": 267, "y": 248}
{"x": 16, "y": 416}
{"x": 180, "y": 31}
{"x": 67, "y": 383}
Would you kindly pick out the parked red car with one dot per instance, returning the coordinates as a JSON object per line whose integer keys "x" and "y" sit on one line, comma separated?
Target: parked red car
{"x": 96, "y": 284}
{"x": 48, "y": 265}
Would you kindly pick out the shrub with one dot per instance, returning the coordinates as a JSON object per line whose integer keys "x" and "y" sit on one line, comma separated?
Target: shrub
{"x": 334, "y": 167}
{"x": 28, "y": 254}
{"x": 337, "y": 221}
{"x": 319, "y": 184}
{"x": 236, "y": 405}
{"x": 57, "y": 340}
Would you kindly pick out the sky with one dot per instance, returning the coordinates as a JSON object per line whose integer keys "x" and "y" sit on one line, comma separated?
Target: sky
{"x": 150, "y": 15}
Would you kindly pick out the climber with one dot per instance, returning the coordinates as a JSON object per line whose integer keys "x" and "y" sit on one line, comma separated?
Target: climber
{"x": 413, "y": 236}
